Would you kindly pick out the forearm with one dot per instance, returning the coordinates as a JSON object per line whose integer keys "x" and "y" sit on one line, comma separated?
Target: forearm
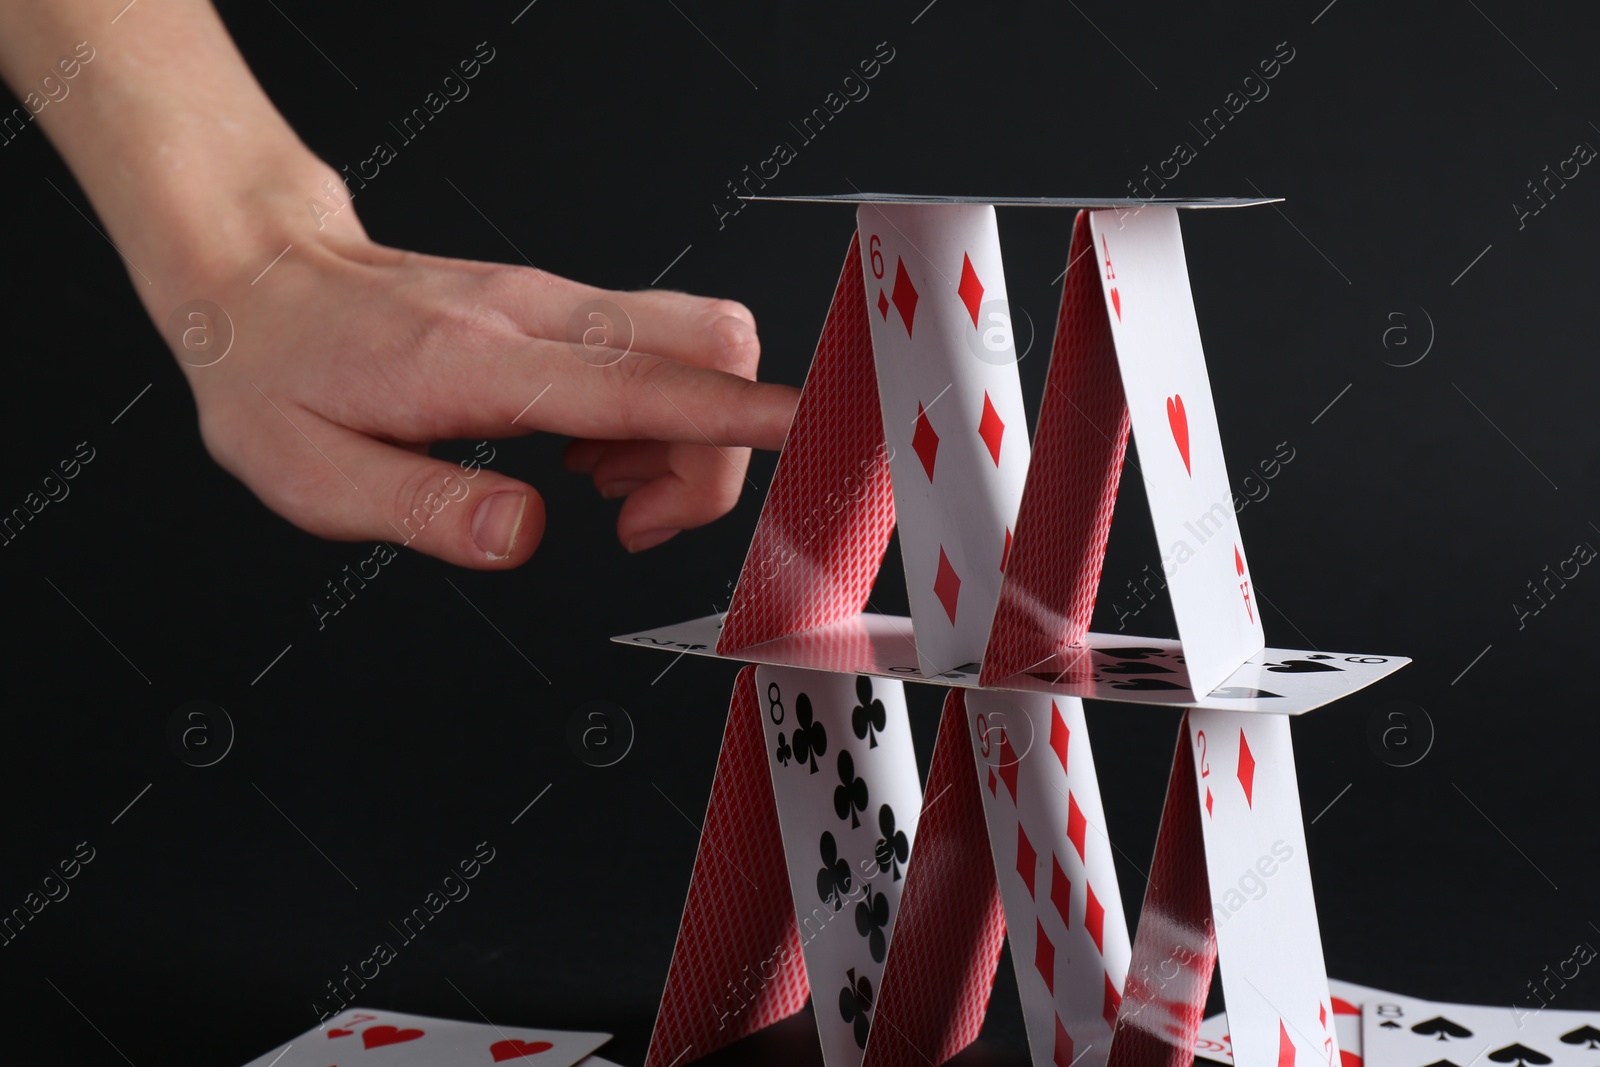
{"x": 191, "y": 169}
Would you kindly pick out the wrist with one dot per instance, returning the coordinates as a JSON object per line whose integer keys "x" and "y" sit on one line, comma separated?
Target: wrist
{"x": 238, "y": 221}
{"x": 194, "y": 175}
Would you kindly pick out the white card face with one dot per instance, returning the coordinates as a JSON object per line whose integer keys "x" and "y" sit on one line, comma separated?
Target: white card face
{"x": 844, "y": 775}
{"x": 1269, "y": 948}
{"x": 952, "y": 413}
{"x": 1136, "y": 670}
{"x": 360, "y": 1037}
{"x": 1401, "y": 1031}
{"x": 1145, "y": 279}
{"x": 1213, "y": 1042}
{"x": 1058, "y": 881}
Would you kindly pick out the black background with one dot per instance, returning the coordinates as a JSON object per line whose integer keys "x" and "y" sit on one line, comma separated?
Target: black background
{"x": 409, "y": 729}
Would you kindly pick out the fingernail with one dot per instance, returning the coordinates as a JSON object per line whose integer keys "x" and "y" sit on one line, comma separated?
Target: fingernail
{"x": 650, "y": 539}
{"x": 496, "y": 521}
{"x": 621, "y": 487}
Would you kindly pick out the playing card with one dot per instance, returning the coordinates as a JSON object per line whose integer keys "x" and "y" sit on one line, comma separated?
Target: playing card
{"x": 844, "y": 776}
{"x": 1145, "y": 279}
{"x": 952, "y": 413}
{"x": 1399, "y": 1031}
{"x": 1277, "y": 681}
{"x": 736, "y": 964}
{"x": 1175, "y": 951}
{"x": 1263, "y": 911}
{"x": 829, "y": 512}
{"x": 1064, "y": 519}
{"x": 360, "y": 1037}
{"x": 1347, "y": 997}
{"x": 1069, "y": 939}
{"x": 951, "y": 925}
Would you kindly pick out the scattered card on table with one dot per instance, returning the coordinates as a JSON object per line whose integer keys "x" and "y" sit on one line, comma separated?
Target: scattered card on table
{"x": 1401, "y": 1031}
{"x": 371, "y": 1037}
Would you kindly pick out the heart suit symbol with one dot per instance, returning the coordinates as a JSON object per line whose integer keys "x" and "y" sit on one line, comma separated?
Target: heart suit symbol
{"x": 377, "y": 1036}
{"x": 1178, "y": 419}
{"x": 513, "y": 1049}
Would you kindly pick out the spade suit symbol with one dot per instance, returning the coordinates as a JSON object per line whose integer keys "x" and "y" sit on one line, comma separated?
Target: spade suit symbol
{"x": 1441, "y": 1027}
{"x": 1587, "y": 1036}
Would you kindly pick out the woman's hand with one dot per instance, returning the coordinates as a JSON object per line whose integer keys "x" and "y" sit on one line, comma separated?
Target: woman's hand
{"x": 347, "y": 358}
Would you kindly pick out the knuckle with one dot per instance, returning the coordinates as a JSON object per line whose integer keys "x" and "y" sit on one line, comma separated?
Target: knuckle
{"x": 510, "y": 283}
{"x": 460, "y": 325}
{"x": 733, "y": 310}
{"x": 734, "y": 345}
{"x": 632, "y": 380}
{"x": 415, "y": 497}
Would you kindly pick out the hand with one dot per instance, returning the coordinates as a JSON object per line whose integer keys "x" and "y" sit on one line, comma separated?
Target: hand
{"x": 349, "y": 357}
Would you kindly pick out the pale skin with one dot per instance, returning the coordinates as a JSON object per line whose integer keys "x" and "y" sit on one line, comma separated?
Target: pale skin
{"x": 350, "y": 357}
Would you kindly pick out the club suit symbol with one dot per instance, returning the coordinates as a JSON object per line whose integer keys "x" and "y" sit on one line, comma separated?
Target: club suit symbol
{"x": 833, "y": 879}
{"x": 855, "y": 1004}
{"x": 893, "y": 848}
{"x": 810, "y": 737}
{"x": 850, "y": 795}
{"x": 869, "y": 718}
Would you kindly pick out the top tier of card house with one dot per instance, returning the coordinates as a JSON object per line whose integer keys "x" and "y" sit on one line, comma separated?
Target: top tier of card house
{"x": 1117, "y": 667}
{"x": 1092, "y": 203}
{"x": 1002, "y": 540}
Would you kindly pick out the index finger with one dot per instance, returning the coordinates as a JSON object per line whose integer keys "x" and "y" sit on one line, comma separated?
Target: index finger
{"x": 639, "y": 396}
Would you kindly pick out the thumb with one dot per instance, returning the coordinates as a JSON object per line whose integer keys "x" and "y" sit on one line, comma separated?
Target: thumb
{"x": 469, "y": 516}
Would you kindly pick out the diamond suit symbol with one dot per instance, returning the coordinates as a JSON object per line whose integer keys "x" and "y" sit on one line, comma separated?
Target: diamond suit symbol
{"x": 905, "y": 294}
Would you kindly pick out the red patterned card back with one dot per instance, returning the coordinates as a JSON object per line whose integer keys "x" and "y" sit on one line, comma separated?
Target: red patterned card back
{"x": 738, "y": 925}
{"x": 951, "y": 926}
{"x": 1175, "y": 949}
{"x": 829, "y": 512}
{"x": 1053, "y": 569}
